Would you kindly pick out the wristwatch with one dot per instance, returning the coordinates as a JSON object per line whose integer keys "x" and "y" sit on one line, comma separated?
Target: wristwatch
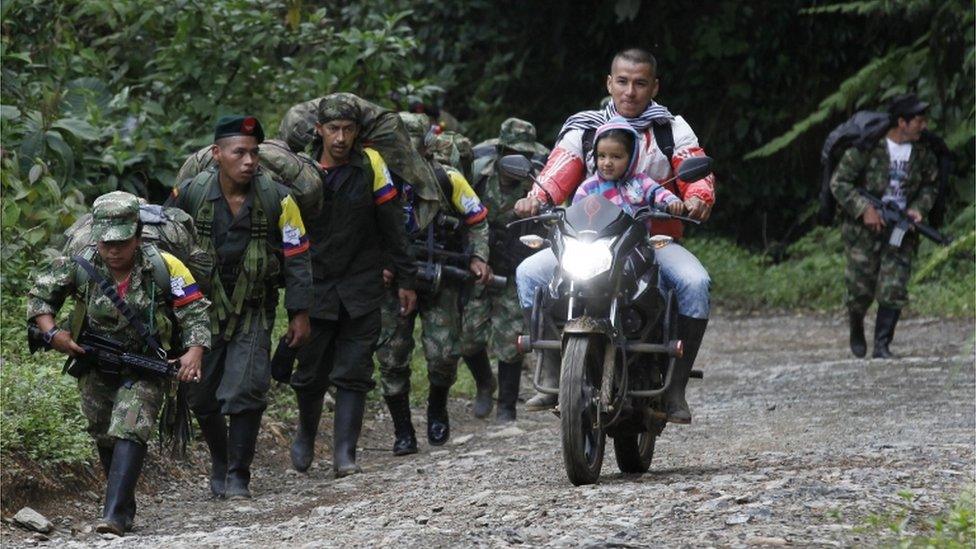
{"x": 49, "y": 335}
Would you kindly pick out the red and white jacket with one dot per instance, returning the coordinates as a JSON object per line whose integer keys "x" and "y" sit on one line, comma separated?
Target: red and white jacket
{"x": 567, "y": 168}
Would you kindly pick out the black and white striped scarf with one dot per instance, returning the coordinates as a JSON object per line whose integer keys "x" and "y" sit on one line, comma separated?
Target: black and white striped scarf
{"x": 585, "y": 120}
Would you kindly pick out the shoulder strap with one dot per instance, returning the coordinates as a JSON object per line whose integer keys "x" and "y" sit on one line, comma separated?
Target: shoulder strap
{"x": 159, "y": 268}
{"x": 196, "y": 192}
{"x": 664, "y": 137}
{"x": 268, "y": 195}
{"x": 81, "y": 275}
{"x": 444, "y": 182}
{"x": 109, "y": 291}
{"x": 587, "y": 141}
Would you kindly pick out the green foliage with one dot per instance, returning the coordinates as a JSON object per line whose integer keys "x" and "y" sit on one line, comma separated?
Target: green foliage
{"x": 811, "y": 276}
{"x": 41, "y": 414}
{"x": 953, "y": 529}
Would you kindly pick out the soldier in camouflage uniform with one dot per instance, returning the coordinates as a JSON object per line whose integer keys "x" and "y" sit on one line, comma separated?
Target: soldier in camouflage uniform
{"x": 491, "y": 313}
{"x": 121, "y": 410}
{"x": 899, "y": 169}
{"x": 438, "y": 309}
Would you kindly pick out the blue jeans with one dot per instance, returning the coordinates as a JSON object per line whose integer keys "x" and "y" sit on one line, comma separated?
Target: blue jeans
{"x": 680, "y": 271}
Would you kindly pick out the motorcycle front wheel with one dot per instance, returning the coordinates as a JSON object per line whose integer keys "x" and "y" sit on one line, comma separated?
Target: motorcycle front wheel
{"x": 583, "y": 436}
{"x": 634, "y": 452}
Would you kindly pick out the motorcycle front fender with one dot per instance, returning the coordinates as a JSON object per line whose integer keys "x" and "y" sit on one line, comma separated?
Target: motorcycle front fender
{"x": 587, "y": 325}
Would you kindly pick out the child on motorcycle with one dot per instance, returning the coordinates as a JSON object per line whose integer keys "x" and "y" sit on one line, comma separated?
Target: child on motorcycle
{"x": 615, "y": 152}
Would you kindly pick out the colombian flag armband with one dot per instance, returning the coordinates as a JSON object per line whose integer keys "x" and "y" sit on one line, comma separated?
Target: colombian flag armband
{"x": 182, "y": 286}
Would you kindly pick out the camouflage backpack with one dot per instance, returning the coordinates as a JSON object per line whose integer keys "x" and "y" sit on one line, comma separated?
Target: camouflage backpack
{"x": 295, "y": 171}
{"x": 168, "y": 229}
{"x": 383, "y": 131}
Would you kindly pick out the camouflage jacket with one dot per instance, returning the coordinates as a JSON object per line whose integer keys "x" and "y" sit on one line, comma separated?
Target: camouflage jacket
{"x": 182, "y": 301}
{"x": 869, "y": 169}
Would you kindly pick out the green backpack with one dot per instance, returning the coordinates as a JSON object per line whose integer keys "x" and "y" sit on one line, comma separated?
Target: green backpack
{"x": 383, "y": 131}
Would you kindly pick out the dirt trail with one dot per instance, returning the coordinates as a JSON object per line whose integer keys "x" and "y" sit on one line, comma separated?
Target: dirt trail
{"x": 793, "y": 442}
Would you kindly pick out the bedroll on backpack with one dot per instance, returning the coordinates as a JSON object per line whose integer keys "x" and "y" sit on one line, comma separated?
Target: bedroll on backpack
{"x": 863, "y": 130}
{"x": 297, "y": 172}
{"x": 383, "y": 131}
{"x": 169, "y": 229}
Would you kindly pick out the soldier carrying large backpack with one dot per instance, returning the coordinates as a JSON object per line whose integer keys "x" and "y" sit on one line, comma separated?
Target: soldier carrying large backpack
{"x": 253, "y": 228}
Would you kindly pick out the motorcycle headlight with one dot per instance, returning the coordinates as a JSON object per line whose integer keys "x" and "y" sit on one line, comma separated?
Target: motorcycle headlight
{"x": 584, "y": 260}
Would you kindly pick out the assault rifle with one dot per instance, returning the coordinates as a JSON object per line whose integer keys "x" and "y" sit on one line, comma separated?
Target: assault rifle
{"x": 105, "y": 354}
{"x": 436, "y": 263}
{"x": 900, "y": 222}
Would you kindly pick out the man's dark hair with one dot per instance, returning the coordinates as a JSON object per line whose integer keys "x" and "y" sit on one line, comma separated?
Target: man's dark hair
{"x": 637, "y": 56}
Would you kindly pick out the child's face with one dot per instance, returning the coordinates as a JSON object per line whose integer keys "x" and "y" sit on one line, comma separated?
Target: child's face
{"x": 611, "y": 159}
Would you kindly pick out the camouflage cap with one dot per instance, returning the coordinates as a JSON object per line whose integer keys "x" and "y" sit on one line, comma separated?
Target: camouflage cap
{"x": 517, "y": 134}
{"x": 443, "y": 147}
{"x": 339, "y": 106}
{"x": 115, "y": 216}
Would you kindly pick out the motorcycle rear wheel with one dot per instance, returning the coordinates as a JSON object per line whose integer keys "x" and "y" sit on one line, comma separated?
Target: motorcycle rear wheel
{"x": 583, "y": 436}
{"x": 634, "y": 452}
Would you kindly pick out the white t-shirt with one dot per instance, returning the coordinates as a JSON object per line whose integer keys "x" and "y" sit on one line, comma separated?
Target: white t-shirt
{"x": 898, "y": 153}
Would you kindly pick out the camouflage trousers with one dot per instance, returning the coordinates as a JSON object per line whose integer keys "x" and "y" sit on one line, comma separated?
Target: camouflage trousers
{"x": 874, "y": 269}
{"x": 440, "y": 323}
{"x": 126, "y": 410}
{"x": 495, "y": 317}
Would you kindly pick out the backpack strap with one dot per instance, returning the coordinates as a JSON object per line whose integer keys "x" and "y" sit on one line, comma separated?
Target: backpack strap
{"x": 664, "y": 137}
{"x": 444, "y": 182}
{"x": 159, "y": 268}
{"x": 268, "y": 195}
{"x": 589, "y": 134}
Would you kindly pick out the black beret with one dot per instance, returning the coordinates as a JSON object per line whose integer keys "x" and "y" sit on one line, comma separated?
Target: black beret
{"x": 236, "y": 124}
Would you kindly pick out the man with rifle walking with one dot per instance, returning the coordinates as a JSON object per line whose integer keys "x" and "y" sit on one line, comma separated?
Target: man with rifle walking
{"x": 129, "y": 297}
{"x": 435, "y": 247}
{"x": 898, "y": 174}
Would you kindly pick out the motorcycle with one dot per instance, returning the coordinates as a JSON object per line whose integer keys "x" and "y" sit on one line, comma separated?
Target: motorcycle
{"x": 617, "y": 331}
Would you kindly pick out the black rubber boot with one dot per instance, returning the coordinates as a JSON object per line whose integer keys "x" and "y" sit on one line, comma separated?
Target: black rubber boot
{"x": 884, "y": 331}
{"x": 105, "y": 458}
{"x": 438, "y": 423}
{"x": 349, "y": 409}
{"x": 858, "y": 345}
{"x": 509, "y": 377}
{"x": 214, "y": 430}
{"x": 690, "y": 332}
{"x": 303, "y": 446}
{"x": 480, "y": 367}
{"x": 241, "y": 440}
{"x": 405, "y": 437}
{"x": 550, "y": 372}
{"x": 120, "y": 491}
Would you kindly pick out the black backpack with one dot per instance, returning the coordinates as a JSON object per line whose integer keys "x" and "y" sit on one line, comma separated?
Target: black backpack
{"x": 863, "y": 130}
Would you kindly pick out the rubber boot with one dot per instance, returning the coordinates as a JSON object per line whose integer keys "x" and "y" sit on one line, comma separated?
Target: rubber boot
{"x": 858, "y": 345}
{"x": 509, "y": 377}
{"x": 241, "y": 439}
{"x": 884, "y": 331}
{"x": 303, "y": 445}
{"x": 690, "y": 332}
{"x": 349, "y": 409}
{"x": 480, "y": 367}
{"x": 214, "y": 430}
{"x": 120, "y": 490}
{"x": 550, "y": 372}
{"x": 105, "y": 458}
{"x": 438, "y": 423}
{"x": 405, "y": 437}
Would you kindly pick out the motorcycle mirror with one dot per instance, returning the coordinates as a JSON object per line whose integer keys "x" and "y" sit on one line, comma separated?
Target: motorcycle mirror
{"x": 515, "y": 166}
{"x": 695, "y": 168}
{"x": 532, "y": 241}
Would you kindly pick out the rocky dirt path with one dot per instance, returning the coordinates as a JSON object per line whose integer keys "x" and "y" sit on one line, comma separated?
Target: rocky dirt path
{"x": 793, "y": 443}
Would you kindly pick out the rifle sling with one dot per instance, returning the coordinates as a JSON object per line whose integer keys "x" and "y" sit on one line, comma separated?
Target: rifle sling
{"x": 109, "y": 291}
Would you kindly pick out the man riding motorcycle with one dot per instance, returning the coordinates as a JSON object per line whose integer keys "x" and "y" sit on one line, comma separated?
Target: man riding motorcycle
{"x": 665, "y": 142}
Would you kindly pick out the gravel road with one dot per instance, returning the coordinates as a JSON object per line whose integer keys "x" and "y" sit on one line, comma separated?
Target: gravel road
{"x": 793, "y": 442}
